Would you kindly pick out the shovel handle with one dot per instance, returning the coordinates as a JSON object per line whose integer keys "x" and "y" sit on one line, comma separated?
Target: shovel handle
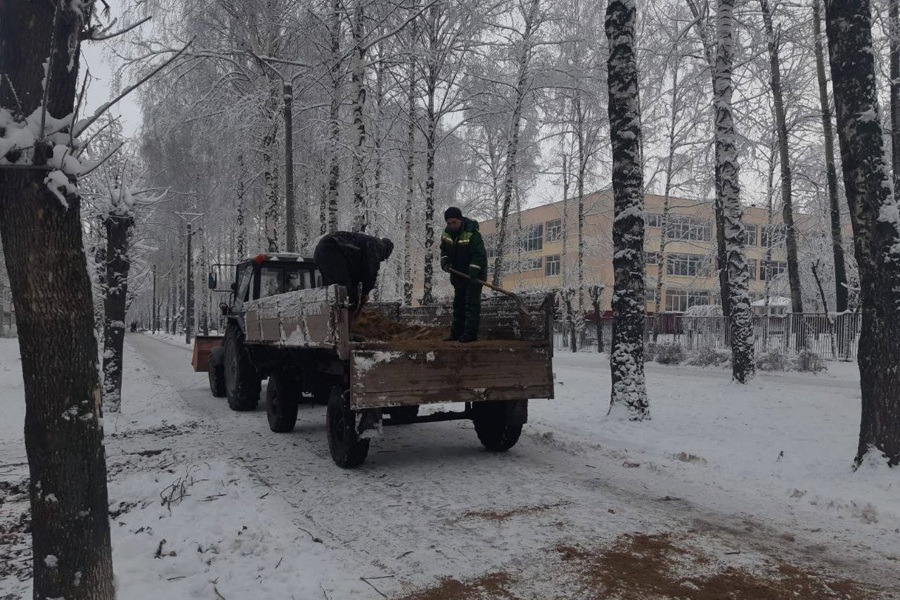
{"x": 522, "y": 307}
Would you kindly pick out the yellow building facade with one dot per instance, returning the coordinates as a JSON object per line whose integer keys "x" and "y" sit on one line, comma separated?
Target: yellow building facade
{"x": 543, "y": 252}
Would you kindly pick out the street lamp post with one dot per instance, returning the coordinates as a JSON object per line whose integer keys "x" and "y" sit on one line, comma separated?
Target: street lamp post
{"x": 188, "y": 279}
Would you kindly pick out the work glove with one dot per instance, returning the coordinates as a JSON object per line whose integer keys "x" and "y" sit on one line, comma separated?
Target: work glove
{"x": 445, "y": 264}
{"x": 474, "y": 272}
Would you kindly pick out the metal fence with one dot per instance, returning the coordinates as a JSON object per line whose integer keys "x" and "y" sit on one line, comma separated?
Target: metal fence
{"x": 832, "y": 337}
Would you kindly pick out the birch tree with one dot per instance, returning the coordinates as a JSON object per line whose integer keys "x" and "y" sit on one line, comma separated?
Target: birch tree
{"x": 728, "y": 201}
{"x": 875, "y": 218}
{"x": 629, "y": 394}
{"x": 40, "y": 224}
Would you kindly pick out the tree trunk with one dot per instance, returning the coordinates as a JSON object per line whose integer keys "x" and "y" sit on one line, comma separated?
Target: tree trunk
{"x": 358, "y": 84}
{"x": 118, "y": 263}
{"x": 241, "y": 209}
{"x": 410, "y": 175}
{"x": 894, "y": 36}
{"x": 42, "y": 241}
{"x": 270, "y": 170}
{"x": 875, "y": 220}
{"x": 837, "y": 242}
{"x": 787, "y": 207}
{"x": 334, "y": 170}
{"x": 430, "y": 134}
{"x": 728, "y": 199}
{"x": 629, "y": 393}
{"x": 510, "y": 183}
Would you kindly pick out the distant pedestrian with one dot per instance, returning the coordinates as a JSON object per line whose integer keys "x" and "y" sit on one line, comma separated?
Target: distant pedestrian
{"x": 352, "y": 260}
{"x": 462, "y": 249}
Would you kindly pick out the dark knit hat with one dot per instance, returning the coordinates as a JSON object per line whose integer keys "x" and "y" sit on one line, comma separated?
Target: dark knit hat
{"x": 452, "y": 213}
{"x": 388, "y": 246}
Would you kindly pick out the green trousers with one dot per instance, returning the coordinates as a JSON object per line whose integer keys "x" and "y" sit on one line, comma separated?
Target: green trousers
{"x": 466, "y": 310}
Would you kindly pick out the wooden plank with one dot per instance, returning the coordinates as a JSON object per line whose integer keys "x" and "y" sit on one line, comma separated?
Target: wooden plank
{"x": 313, "y": 318}
{"x": 383, "y": 377}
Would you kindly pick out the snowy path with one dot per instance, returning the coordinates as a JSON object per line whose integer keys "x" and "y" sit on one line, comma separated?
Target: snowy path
{"x": 429, "y": 503}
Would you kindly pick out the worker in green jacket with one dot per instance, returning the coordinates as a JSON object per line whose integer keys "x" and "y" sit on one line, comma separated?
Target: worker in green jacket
{"x": 462, "y": 249}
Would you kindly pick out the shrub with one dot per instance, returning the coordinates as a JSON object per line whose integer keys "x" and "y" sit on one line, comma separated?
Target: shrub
{"x": 808, "y": 361}
{"x": 771, "y": 360}
{"x": 649, "y": 351}
{"x": 669, "y": 354}
{"x": 709, "y": 356}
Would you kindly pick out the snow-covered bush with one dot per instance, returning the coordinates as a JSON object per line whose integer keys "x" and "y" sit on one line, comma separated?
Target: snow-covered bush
{"x": 649, "y": 351}
{"x": 669, "y": 354}
{"x": 709, "y": 356}
{"x": 807, "y": 361}
{"x": 771, "y": 360}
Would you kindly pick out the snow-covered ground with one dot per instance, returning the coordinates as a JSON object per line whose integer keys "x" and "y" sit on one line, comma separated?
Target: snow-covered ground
{"x": 729, "y": 489}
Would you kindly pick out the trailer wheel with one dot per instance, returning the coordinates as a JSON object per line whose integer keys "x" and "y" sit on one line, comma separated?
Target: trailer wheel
{"x": 282, "y": 400}
{"x": 498, "y": 423}
{"x": 402, "y": 415}
{"x": 217, "y": 372}
{"x": 347, "y": 450}
{"x": 241, "y": 381}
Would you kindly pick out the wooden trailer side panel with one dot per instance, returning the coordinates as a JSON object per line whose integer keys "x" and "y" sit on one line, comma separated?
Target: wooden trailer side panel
{"x": 381, "y": 377}
{"x": 314, "y": 318}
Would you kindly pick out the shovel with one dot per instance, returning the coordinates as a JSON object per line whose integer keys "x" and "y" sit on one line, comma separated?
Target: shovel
{"x": 523, "y": 308}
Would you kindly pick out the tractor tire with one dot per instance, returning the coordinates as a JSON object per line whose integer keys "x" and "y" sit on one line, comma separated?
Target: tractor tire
{"x": 496, "y": 424}
{"x": 217, "y": 372}
{"x": 242, "y": 384}
{"x": 402, "y": 415}
{"x": 347, "y": 450}
{"x": 282, "y": 400}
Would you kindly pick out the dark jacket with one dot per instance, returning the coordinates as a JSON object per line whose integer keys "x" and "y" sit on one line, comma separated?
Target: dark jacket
{"x": 363, "y": 254}
{"x": 465, "y": 250}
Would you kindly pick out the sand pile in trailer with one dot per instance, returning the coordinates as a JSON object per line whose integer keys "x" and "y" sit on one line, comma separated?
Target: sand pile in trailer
{"x": 371, "y": 326}
{"x": 374, "y": 326}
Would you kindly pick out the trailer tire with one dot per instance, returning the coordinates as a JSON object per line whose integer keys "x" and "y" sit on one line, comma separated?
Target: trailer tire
{"x": 282, "y": 401}
{"x": 242, "y": 383}
{"x": 402, "y": 415}
{"x": 347, "y": 450}
{"x": 498, "y": 423}
{"x": 217, "y": 372}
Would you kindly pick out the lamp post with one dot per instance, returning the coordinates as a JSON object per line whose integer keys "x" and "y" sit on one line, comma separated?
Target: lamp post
{"x": 188, "y": 279}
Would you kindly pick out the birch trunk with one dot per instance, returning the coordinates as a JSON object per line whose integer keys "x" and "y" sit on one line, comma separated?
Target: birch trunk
{"x": 430, "y": 147}
{"x": 728, "y": 201}
{"x": 358, "y": 86}
{"x": 51, "y": 290}
{"x": 875, "y": 220}
{"x": 334, "y": 170}
{"x": 410, "y": 175}
{"x": 629, "y": 394}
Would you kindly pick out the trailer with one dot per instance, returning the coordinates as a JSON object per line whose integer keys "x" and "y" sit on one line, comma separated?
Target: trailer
{"x": 302, "y": 342}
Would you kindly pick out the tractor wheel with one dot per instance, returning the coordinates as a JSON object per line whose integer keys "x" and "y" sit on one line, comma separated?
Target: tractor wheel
{"x": 241, "y": 381}
{"x": 282, "y": 400}
{"x": 217, "y": 372}
{"x": 347, "y": 450}
{"x": 402, "y": 415}
{"x": 497, "y": 424}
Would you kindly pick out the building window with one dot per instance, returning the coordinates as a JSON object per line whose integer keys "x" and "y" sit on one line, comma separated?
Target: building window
{"x": 773, "y": 236}
{"x": 551, "y": 266}
{"x": 750, "y": 235}
{"x": 681, "y": 300}
{"x": 532, "y": 264}
{"x": 752, "y": 264}
{"x": 688, "y": 229}
{"x": 533, "y": 240}
{"x": 684, "y": 265}
{"x": 654, "y": 220}
{"x": 653, "y": 258}
{"x": 772, "y": 270}
{"x": 554, "y": 230}
{"x": 649, "y": 294}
